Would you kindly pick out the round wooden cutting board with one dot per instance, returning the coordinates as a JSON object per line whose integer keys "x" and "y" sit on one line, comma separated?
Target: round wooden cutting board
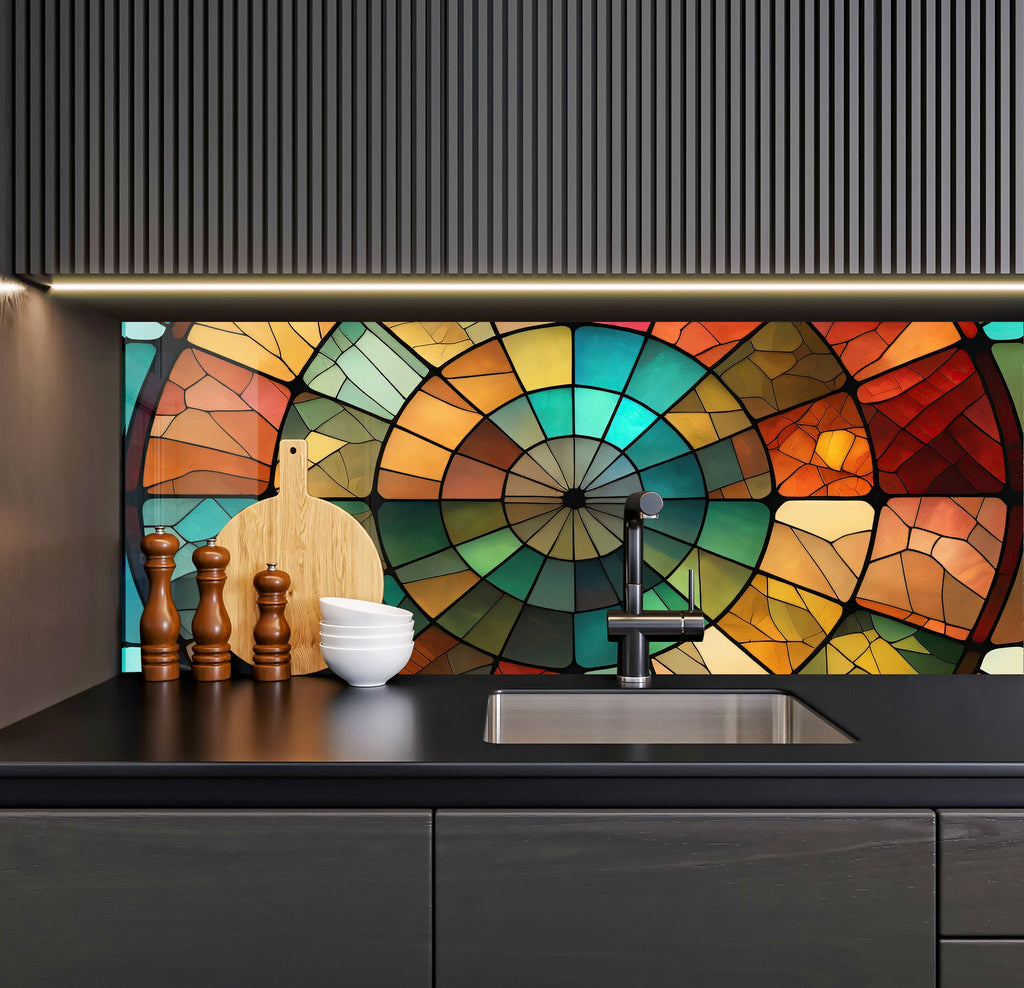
{"x": 323, "y": 548}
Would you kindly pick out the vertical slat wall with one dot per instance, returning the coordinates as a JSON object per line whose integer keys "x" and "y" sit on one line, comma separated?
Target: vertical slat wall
{"x": 517, "y": 136}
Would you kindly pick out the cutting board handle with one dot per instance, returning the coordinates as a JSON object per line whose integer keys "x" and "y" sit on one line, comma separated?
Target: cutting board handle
{"x": 291, "y": 455}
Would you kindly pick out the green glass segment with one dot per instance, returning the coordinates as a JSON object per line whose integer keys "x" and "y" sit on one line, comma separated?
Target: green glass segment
{"x": 517, "y": 421}
{"x": 664, "y": 553}
{"x": 469, "y": 609}
{"x": 411, "y": 530}
{"x": 680, "y": 518}
{"x": 628, "y": 422}
{"x": 603, "y": 357}
{"x": 541, "y": 637}
{"x": 719, "y": 580}
{"x": 442, "y": 563}
{"x": 490, "y": 634}
{"x": 468, "y": 520}
{"x": 719, "y": 465}
{"x": 138, "y": 358}
{"x": 516, "y": 575}
{"x": 659, "y": 443}
{"x": 556, "y": 586}
{"x": 593, "y": 649}
{"x": 594, "y": 587}
{"x": 1004, "y": 330}
{"x": 1009, "y": 357}
{"x": 489, "y": 551}
{"x": 679, "y": 478}
{"x": 736, "y": 530}
{"x": 554, "y": 410}
{"x": 593, "y": 411}
{"x": 663, "y": 375}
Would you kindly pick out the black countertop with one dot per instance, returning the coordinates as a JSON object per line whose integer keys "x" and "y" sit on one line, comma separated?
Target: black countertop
{"x": 921, "y": 741}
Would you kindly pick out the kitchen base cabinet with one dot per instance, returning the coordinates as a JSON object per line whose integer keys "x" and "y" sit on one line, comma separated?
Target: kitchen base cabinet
{"x": 165, "y": 899}
{"x": 613, "y": 898}
{"x": 981, "y": 963}
{"x": 981, "y": 864}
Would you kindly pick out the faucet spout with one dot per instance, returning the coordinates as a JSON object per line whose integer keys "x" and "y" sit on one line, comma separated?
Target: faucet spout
{"x": 633, "y": 627}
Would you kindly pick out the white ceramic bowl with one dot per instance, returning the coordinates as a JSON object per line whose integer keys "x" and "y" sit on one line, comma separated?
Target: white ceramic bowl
{"x": 346, "y": 610}
{"x": 397, "y": 627}
{"x": 366, "y": 641}
{"x": 362, "y": 666}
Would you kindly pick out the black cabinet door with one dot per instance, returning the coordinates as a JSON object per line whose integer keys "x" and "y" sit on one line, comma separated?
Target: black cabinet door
{"x": 981, "y": 858}
{"x": 171, "y": 899}
{"x": 607, "y": 898}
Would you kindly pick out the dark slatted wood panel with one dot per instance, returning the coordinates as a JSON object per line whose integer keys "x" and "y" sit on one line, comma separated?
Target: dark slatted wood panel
{"x": 517, "y": 136}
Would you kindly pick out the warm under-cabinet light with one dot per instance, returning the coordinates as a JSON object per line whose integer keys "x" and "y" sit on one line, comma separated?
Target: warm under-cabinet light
{"x": 555, "y": 285}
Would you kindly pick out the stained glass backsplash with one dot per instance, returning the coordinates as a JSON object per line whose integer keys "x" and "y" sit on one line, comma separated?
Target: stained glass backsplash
{"x": 848, "y": 493}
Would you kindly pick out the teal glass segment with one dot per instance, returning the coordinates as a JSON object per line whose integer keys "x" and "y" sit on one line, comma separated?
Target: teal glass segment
{"x": 411, "y": 530}
{"x": 662, "y": 375}
{"x": 518, "y": 421}
{"x": 554, "y": 410}
{"x": 593, "y": 411}
{"x": 1004, "y": 330}
{"x": 131, "y": 659}
{"x": 132, "y": 606}
{"x": 735, "y": 530}
{"x": 679, "y": 478}
{"x": 593, "y": 649}
{"x": 719, "y": 465}
{"x": 659, "y": 443}
{"x": 603, "y": 357}
{"x": 516, "y": 575}
{"x": 143, "y": 330}
{"x": 138, "y": 359}
{"x": 630, "y": 420}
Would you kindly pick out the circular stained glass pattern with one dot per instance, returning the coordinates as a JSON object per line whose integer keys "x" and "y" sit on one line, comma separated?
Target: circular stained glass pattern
{"x": 849, "y": 493}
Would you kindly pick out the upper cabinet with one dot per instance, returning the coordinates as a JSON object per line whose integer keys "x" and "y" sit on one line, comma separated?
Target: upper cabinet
{"x": 499, "y": 136}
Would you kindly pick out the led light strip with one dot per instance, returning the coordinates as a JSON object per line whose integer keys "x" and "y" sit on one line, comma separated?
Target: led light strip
{"x": 553, "y": 285}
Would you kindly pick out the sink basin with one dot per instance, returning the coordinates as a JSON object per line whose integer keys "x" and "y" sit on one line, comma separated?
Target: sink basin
{"x": 655, "y": 717}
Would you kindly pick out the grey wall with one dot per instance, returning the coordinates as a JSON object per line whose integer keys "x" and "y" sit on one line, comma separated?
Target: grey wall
{"x": 554, "y": 136}
{"x": 60, "y": 522}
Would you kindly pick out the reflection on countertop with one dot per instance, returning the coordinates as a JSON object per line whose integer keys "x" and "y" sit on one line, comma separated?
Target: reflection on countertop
{"x": 246, "y": 721}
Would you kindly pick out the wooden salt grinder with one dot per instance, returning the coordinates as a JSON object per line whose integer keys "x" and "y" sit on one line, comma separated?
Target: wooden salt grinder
{"x": 160, "y": 623}
{"x": 211, "y": 627}
{"x": 271, "y": 652}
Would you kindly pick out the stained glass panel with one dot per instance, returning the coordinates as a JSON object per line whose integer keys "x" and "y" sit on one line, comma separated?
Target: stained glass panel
{"x": 849, "y": 494}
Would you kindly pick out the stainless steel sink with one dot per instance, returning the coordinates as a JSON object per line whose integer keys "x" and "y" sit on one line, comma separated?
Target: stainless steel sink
{"x": 655, "y": 717}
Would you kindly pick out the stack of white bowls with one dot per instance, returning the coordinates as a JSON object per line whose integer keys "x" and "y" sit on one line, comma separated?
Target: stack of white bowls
{"x": 362, "y": 642}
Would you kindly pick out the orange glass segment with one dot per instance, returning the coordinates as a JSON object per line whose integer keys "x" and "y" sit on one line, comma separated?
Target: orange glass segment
{"x": 406, "y": 453}
{"x": 401, "y": 487}
{"x": 708, "y": 342}
{"x": 490, "y": 392}
{"x": 437, "y": 420}
{"x": 868, "y": 349}
{"x": 439, "y": 592}
{"x": 487, "y": 359}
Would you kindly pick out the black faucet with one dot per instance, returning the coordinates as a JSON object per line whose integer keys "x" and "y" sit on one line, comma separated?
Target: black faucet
{"x": 633, "y": 627}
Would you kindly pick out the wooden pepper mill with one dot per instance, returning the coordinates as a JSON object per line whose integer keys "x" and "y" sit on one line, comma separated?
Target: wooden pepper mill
{"x": 160, "y": 623}
{"x": 211, "y": 627}
{"x": 271, "y": 652}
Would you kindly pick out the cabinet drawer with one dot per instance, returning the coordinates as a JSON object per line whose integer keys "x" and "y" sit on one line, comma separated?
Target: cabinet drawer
{"x": 981, "y": 873}
{"x": 169, "y": 898}
{"x": 605, "y": 899}
{"x": 981, "y": 963}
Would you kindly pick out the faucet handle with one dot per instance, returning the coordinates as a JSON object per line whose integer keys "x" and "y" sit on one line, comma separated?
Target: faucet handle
{"x": 694, "y": 604}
